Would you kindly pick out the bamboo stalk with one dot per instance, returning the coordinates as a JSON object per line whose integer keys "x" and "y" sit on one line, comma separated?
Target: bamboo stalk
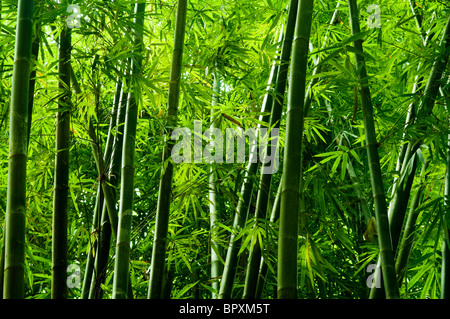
{"x": 61, "y": 186}
{"x": 165, "y": 185}
{"x": 424, "y": 109}
{"x": 262, "y": 199}
{"x": 11, "y": 284}
{"x": 384, "y": 236}
{"x": 101, "y": 259}
{"x": 13, "y": 287}
{"x": 122, "y": 257}
{"x": 274, "y": 216}
{"x": 408, "y": 232}
{"x": 34, "y": 54}
{"x": 214, "y": 206}
{"x": 86, "y": 286}
{"x": 276, "y": 208}
{"x": 317, "y": 69}
{"x": 445, "y": 271}
{"x": 290, "y": 190}
{"x": 275, "y": 108}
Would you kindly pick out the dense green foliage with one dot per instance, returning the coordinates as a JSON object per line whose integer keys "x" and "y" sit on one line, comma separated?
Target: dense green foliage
{"x": 236, "y": 41}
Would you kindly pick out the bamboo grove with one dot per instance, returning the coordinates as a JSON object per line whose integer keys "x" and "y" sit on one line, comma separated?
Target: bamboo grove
{"x": 342, "y": 191}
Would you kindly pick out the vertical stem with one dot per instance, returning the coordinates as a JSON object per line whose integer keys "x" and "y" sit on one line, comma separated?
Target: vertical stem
{"x": 290, "y": 189}
{"x": 408, "y": 232}
{"x": 384, "y": 235}
{"x": 122, "y": 257}
{"x": 165, "y": 185}
{"x": 34, "y": 54}
{"x": 226, "y": 285}
{"x": 274, "y": 216}
{"x": 17, "y": 166}
{"x": 86, "y": 286}
{"x": 61, "y": 187}
{"x": 106, "y": 231}
{"x": 262, "y": 199}
{"x": 445, "y": 272}
{"x": 214, "y": 205}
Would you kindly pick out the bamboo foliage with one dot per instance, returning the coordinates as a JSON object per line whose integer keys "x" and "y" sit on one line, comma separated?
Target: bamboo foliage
{"x": 254, "y": 259}
{"x": 224, "y": 230}
{"x": 418, "y": 114}
{"x": 163, "y": 210}
{"x": 115, "y": 137}
{"x": 290, "y": 189}
{"x": 274, "y": 106}
{"x": 13, "y": 287}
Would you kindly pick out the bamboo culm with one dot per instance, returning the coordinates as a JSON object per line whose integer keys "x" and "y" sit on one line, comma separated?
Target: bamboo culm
{"x": 425, "y": 107}
{"x": 226, "y": 285}
{"x": 122, "y": 257}
{"x": 106, "y": 231}
{"x": 290, "y": 189}
{"x": 165, "y": 185}
{"x": 61, "y": 191}
{"x": 251, "y": 275}
{"x": 384, "y": 235}
{"x": 13, "y": 286}
{"x": 214, "y": 206}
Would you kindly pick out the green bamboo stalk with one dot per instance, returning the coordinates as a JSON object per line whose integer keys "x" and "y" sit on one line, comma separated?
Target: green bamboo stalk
{"x": 34, "y": 54}
{"x": 424, "y": 109}
{"x": 107, "y": 189}
{"x": 165, "y": 185}
{"x": 122, "y": 257}
{"x": 253, "y": 285}
{"x": 93, "y": 248}
{"x": 290, "y": 189}
{"x": 417, "y": 87}
{"x": 34, "y": 49}
{"x": 2, "y": 263}
{"x": 317, "y": 69}
{"x": 61, "y": 185}
{"x": 214, "y": 206}
{"x": 104, "y": 227}
{"x": 99, "y": 203}
{"x": 445, "y": 271}
{"x": 274, "y": 216}
{"x": 13, "y": 287}
{"x": 402, "y": 187}
{"x": 98, "y": 209}
{"x": 307, "y": 104}
{"x": 102, "y": 256}
{"x": 229, "y": 273}
{"x": 408, "y": 232}
{"x": 86, "y": 286}
{"x": 384, "y": 237}
{"x": 262, "y": 199}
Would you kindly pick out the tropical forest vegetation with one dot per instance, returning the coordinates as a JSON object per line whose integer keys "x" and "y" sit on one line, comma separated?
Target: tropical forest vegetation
{"x": 224, "y": 149}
